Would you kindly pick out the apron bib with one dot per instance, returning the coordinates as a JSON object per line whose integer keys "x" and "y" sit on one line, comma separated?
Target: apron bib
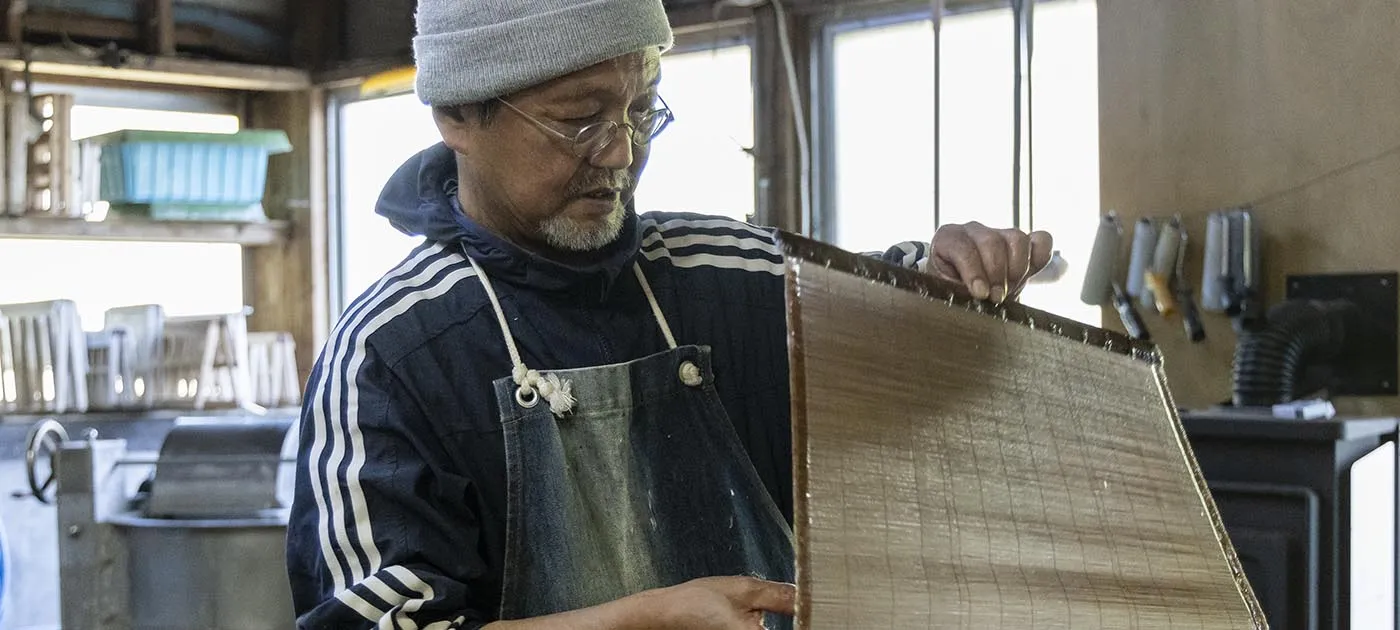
{"x": 625, "y": 478}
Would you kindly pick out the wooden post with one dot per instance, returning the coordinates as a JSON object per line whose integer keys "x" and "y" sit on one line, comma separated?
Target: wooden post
{"x": 778, "y": 158}
{"x": 288, "y": 286}
{"x": 14, "y": 20}
{"x": 160, "y": 27}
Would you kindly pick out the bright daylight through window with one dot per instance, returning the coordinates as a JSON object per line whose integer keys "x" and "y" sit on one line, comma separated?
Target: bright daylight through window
{"x": 711, "y": 92}
{"x": 883, "y": 144}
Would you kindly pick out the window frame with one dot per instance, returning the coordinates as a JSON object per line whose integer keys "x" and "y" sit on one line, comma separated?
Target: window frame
{"x": 827, "y": 25}
{"x": 687, "y": 40}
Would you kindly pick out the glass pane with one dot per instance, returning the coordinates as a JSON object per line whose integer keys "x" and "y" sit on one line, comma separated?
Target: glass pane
{"x": 700, "y": 163}
{"x": 884, "y": 186}
{"x": 884, "y": 136}
{"x": 377, "y": 137}
{"x": 185, "y": 278}
{"x": 884, "y": 177}
{"x": 1066, "y": 147}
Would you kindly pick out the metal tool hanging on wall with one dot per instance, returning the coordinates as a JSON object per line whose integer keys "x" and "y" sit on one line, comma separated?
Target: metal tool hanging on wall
{"x": 1157, "y": 280}
{"x": 1186, "y": 301}
{"x": 1157, "y": 276}
{"x": 1101, "y": 286}
{"x": 1230, "y": 279}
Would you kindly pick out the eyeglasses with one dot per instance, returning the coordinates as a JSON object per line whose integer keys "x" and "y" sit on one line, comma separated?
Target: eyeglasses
{"x": 595, "y": 138}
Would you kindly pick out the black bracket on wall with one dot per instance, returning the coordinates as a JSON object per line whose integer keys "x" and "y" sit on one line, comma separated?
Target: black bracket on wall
{"x": 1370, "y": 367}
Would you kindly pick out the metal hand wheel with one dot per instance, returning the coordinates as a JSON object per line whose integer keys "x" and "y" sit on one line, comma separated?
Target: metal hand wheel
{"x": 45, "y": 436}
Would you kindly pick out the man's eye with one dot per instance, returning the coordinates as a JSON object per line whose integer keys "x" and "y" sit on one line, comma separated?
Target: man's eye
{"x": 579, "y": 119}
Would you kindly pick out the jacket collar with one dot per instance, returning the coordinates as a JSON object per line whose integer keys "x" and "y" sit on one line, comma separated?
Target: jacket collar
{"x": 421, "y": 200}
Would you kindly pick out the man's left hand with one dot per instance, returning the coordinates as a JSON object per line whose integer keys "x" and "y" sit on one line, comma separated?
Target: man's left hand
{"x": 993, "y": 264}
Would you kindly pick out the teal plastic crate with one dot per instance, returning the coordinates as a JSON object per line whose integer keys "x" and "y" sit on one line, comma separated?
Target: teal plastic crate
{"x": 187, "y": 170}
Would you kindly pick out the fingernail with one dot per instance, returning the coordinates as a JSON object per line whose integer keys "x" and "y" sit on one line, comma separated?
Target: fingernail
{"x": 980, "y": 290}
{"x": 998, "y": 294}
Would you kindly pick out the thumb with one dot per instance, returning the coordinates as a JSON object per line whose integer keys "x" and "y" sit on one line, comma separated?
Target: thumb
{"x": 774, "y": 597}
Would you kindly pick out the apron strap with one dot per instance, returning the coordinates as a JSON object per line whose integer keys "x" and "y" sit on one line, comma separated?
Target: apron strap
{"x": 532, "y": 385}
{"x": 655, "y": 308}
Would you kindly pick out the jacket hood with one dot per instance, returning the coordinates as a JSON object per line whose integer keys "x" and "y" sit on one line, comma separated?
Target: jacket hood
{"x": 421, "y": 200}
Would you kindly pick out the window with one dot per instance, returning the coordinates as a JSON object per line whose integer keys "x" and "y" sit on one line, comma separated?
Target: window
{"x": 881, "y": 133}
{"x": 710, "y": 91}
{"x": 376, "y": 137}
{"x": 702, "y": 162}
{"x": 185, "y": 278}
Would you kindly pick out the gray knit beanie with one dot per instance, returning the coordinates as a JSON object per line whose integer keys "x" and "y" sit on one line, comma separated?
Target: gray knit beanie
{"x": 468, "y": 51}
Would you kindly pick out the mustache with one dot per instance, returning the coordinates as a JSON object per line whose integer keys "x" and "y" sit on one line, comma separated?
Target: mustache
{"x": 621, "y": 180}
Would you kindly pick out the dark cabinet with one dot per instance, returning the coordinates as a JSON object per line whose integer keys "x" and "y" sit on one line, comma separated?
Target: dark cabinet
{"x": 1311, "y": 509}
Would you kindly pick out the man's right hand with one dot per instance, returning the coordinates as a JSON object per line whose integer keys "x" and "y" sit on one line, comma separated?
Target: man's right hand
{"x": 715, "y": 603}
{"x": 720, "y": 603}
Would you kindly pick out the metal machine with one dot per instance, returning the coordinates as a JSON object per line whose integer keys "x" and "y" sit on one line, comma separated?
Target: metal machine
{"x": 196, "y": 543}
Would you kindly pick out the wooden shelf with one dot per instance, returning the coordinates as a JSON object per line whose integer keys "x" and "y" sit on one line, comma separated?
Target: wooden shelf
{"x": 138, "y": 68}
{"x": 249, "y": 234}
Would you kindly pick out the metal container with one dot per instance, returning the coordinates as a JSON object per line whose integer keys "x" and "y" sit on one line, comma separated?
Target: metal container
{"x": 201, "y": 546}
{"x": 220, "y": 574}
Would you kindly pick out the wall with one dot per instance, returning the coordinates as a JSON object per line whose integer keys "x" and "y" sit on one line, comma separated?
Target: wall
{"x": 1295, "y": 106}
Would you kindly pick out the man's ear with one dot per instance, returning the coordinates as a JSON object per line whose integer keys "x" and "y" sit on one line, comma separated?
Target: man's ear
{"x": 455, "y": 128}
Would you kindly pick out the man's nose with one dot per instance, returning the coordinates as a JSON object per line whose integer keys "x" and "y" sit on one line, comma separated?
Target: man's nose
{"x": 616, "y": 155}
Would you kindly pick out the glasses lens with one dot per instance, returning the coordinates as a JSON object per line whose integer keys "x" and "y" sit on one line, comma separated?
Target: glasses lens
{"x": 650, "y": 126}
{"x": 591, "y": 140}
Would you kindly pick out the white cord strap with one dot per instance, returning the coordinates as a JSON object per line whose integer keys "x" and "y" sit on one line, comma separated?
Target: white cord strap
{"x": 689, "y": 372}
{"x": 532, "y": 386}
{"x": 655, "y": 308}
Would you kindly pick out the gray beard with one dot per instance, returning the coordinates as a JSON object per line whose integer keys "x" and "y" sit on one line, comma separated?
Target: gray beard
{"x": 570, "y": 235}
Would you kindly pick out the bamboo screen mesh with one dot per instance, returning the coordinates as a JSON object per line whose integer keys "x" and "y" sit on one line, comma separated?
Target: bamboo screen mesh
{"x": 1002, "y": 469}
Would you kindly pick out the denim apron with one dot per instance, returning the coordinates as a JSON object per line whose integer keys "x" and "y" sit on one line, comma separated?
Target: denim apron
{"x": 624, "y": 478}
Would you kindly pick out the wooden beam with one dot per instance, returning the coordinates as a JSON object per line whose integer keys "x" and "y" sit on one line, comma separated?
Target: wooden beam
{"x": 139, "y": 68}
{"x": 188, "y": 37}
{"x": 777, "y": 154}
{"x": 14, "y": 20}
{"x": 160, "y": 27}
{"x": 351, "y": 73}
{"x": 317, "y": 28}
{"x": 288, "y": 287}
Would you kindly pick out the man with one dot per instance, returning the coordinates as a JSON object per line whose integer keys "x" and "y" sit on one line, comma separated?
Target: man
{"x": 557, "y": 413}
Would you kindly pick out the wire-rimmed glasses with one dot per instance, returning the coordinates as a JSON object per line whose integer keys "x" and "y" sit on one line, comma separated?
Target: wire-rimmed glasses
{"x": 594, "y": 138}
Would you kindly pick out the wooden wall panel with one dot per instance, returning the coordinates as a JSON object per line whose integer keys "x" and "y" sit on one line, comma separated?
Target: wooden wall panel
{"x": 1291, "y": 106}
{"x": 288, "y": 286}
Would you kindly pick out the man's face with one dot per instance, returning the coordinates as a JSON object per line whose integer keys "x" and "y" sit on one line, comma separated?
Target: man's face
{"x": 529, "y": 184}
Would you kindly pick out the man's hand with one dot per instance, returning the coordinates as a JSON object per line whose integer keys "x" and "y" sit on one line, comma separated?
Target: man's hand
{"x": 992, "y": 264}
{"x": 716, "y": 603}
{"x": 723, "y": 603}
